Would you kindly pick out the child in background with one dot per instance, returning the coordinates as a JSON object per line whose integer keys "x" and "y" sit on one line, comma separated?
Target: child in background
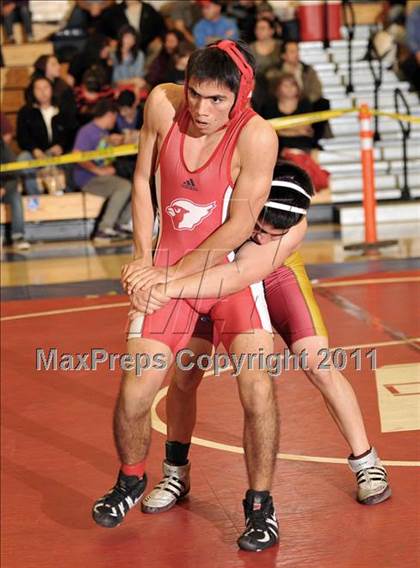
{"x": 130, "y": 115}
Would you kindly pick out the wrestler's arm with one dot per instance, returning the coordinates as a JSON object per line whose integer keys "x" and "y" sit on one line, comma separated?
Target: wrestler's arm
{"x": 252, "y": 264}
{"x": 257, "y": 147}
{"x": 158, "y": 109}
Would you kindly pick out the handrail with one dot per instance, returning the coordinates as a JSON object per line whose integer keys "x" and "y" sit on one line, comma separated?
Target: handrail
{"x": 350, "y": 24}
{"x": 377, "y": 79}
{"x": 326, "y": 40}
{"x": 406, "y": 131}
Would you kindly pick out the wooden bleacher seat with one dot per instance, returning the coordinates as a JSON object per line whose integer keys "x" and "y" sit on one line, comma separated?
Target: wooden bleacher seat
{"x": 15, "y": 77}
{"x": 12, "y": 100}
{"x": 365, "y": 12}
{"x": 12, "y": 118}
{"x": 58, "y": 207}
{"x": 25, "y": 54}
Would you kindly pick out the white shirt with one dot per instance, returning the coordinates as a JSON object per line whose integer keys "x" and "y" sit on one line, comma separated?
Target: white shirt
{"x": 47, "y": 115}
{"x": 133, "y": 12}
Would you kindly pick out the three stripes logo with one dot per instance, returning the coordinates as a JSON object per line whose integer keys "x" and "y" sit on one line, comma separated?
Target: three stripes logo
{"x": 189, "y": 184}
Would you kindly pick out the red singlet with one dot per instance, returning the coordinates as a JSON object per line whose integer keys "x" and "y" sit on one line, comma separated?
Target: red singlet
{"x": 192, "y": 205}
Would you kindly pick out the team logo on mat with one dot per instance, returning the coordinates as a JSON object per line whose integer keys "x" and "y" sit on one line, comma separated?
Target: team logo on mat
{"x": 186, "y": 215}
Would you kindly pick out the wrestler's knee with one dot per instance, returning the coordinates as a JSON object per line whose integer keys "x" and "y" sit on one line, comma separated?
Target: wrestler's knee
{"x": 188, "y": 381}
{"x": 138, "y": 392}
{"x": 315, "y": 361}
{"x": 257, "y": 394}
{"x": 320, "y": 372}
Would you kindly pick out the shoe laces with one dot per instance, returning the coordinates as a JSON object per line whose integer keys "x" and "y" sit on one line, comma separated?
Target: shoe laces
{"x": 165, "y": 482}
{"x": 372, "y": 474}
{"x": 256, "y": 519}
{"x": 117, "y": 494}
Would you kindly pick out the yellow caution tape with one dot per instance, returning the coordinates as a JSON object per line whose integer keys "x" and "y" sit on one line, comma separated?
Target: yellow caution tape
{"x": 132, "y": 149}
{"x": 308, "y": 118}
{"x": 395, "y": 116}
{"x": 74, "y": 157}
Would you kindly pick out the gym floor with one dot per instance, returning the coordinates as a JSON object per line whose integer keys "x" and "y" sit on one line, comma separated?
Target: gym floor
{"x": 58, "y": 453}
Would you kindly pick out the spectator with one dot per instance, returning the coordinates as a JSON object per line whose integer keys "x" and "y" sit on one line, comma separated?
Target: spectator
{"x": 297, "y": 142}
{"x": 393, "y": 12}
{"x": 90, "y": 92}
{"x": 244, "y": 12}
{"x": 176, "y": 70}
{"x": 265, "y": 10}
{"x": 287, "y": 102}
{"x": 129, "y": 121}
{"x": 128, "y": 59}
{"x": 13, "y": 11}
{"x": 266, "y": 48}
{"x": 305, "y": 75}
{"x": 49, "y": 67}
{"x": 159, "y": 66}
{"x": 96, "y": 52}
{"x": 129, "y": 116}
{"x": 42, "y": 130}
{"x": 86, "y": 15}
{"x": 99, "y": 179}
{"x": 9, "y": 192}
{"x": 181, "y": 17}
{"x": 147, "y": 21}
{"x": 213, "y": 26}
{"x": 411, "y": 65}
{"x": 309, "y": 83}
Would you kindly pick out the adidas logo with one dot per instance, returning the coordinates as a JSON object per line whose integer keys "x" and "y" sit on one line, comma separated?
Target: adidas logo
{"x": 189, "y": 184}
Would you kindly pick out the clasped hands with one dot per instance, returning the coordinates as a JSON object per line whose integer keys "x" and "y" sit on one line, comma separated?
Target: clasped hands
{"x": 145, "y": 286}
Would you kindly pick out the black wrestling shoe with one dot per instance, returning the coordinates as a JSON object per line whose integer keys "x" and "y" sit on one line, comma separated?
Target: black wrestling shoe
{"x": 110, "y": 510}
{"x": 262, "y": 528}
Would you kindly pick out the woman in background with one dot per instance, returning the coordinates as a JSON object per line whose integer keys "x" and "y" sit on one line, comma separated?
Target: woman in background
{"x": 48, "y": 66}
{"x": 287, "y": 101}
{"x": 42, "y": 129}
{"x": 266, "y": 48}
{"x": 160, "y": 65}
{"x": 297, "y": 142}
{"x": 128, "y": 60}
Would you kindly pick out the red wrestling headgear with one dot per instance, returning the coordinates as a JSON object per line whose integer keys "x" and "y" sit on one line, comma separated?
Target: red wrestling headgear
{"x": 247, "y": 76}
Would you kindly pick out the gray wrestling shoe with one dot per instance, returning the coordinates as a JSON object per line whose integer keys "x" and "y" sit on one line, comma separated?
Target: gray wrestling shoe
{"x": 372, "y": 479}
{"x": 174, "y": 486}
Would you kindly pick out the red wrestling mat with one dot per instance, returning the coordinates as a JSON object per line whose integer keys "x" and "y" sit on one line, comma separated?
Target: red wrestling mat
{"x": 58, "y": 454}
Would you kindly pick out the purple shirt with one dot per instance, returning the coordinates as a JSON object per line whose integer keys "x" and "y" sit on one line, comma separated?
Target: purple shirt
{"x": 88, "y": 138}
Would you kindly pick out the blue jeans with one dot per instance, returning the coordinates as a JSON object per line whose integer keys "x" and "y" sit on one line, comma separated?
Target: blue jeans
{"x": 12, "y": 196}
{"x": 29, "y": 175}
{"x": 14, "y": 199}
{"x": 21, "y": 13}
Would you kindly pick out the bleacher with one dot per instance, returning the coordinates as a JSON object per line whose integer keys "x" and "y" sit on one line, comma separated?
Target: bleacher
{"x": 342, "y": 154}
{"x": 57, "y": 207}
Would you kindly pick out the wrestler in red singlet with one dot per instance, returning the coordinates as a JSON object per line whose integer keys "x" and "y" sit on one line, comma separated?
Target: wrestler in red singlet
{"x": 208, "y": 211}
{"x": 192, "y": 205}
